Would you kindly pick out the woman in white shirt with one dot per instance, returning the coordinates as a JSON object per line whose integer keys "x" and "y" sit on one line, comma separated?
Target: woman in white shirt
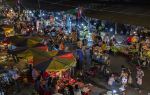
{"x": 111, "y": 81}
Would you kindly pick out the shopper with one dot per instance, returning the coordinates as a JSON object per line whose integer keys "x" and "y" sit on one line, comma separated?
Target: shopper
{"x": 36, "y": 77}
{"x": 139, "y": 78}
{"x": 111, "y": 81}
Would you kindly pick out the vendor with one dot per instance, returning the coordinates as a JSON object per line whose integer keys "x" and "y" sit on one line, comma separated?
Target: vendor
{"x": 61, "y": 46}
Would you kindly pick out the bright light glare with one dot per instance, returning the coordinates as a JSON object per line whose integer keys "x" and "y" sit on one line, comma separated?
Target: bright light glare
{"x": 56, "y": 17}
{"x": 30, "y": 12}
{"x": 111, "y": 29}
{"x": 114, "y": 91}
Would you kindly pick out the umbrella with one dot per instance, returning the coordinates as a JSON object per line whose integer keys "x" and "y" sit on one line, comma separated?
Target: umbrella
{"x": 29, "y": 42}
{"x": 35, "y": 56}
{"x": 32, "y": 42}
{"x": 58, "y": 63}
{"x": 53, "y": 53}
{"x": 66, "y": 61}
{"x": 17, "y": 40}
{"x": 42, "y": 47}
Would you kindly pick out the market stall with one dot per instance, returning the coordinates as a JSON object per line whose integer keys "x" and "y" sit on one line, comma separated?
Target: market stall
{"x": 9, "y": 31}
{"x": 99, "y": 54}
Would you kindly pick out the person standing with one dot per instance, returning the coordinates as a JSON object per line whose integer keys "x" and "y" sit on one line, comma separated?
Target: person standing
{"x": 88, "y": 56}
{"x": 139, "y": 78}
{"x": 16, "y": 77}
{"x": 111, "y": 81}
{"x": 130, "y": 80}
{"x": 80, "y": 58}
{"x": 36, "y": 77}
{"x": 124, "y": 78}
{"x": 45, "y": 86}
{"x": 62, "y": 46}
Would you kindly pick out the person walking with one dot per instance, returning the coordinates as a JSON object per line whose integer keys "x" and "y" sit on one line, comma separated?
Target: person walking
{"x": 16, "y": 77}
{"x": 88, "y": 56}
{"x": 130, "y": 80}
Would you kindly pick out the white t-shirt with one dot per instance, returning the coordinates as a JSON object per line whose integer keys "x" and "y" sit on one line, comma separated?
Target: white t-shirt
{"x": 124, "y": 80}
{"x": 139, "y": 81}
{"x": 111, "y": 80}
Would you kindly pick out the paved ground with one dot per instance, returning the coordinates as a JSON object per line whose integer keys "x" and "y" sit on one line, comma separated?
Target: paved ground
{"x": 118, "y": 61}
{"x": 116, "y": 67}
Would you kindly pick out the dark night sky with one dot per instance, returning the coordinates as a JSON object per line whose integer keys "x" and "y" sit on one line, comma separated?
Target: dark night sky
{"x": 123, "y": 1}
{"x": 135, "y": 1}
{"x": 66, "y": 4}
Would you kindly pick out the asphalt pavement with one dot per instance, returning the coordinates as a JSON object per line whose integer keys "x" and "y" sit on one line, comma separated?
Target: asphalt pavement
{"x": 116, "y": 62}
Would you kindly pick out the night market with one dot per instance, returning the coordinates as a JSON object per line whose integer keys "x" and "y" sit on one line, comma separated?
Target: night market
{"x": 72, "y": 47}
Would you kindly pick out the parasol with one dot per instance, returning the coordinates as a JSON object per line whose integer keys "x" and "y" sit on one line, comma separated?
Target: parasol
{"x": 42, "y": 47}
{"x": 58, "y": 63}
{"x": 29, "y": 42}
{"x": 35, "y": 56}
{"x": 32, "y": 42}
{"x": 17, "y": 40}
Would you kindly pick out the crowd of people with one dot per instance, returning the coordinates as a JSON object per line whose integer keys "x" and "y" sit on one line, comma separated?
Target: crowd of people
{"x": 10, "y": 77}
{"x": 125, "y": 79}
{"x": 46, "y": 84}
{"x": 90, "y": 61}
